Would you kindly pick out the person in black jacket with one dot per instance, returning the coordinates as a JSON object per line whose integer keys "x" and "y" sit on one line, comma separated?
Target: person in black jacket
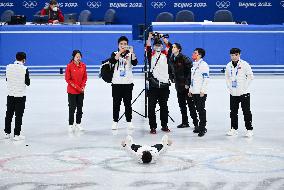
{"x": 180, "y": 74}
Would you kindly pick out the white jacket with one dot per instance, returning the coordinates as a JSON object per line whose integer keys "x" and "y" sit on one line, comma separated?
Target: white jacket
{"x": 243, "y": 76}
{"x": 161, "y": 70}
{"x": 128, "y": 78}
{"x": 15, "y": 75}
{"x": 199, "y": 77}
{"x": 154, "y": 152}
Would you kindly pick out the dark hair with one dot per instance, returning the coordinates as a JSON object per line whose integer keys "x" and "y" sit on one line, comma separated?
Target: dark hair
{"x": 75, "y": 53}
{"x": 200, "y": 51}
{"x": 52, "y": 2}
{"x": 146, "y": 157}
{"x": 122, "y": 38}
{"x": 178, "y": 46}
{"x": 235, "y": 50}
{"x": 20, "y": 56}
{"x": 157, "y": 42}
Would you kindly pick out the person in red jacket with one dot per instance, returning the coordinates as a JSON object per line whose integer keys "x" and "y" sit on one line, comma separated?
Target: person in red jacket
{"x": 76, "y": 78}
{"x": 54, "y": 13}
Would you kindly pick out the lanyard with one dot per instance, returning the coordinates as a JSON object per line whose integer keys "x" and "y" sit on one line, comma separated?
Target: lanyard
{"x": 236, "y": 71}
{"x": 193, "y": 74}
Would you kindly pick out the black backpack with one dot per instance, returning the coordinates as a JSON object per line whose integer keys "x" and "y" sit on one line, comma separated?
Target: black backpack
{"x": 106, "y": 71}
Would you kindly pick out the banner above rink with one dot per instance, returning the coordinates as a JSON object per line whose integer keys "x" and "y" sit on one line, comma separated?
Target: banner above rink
{"x": 135, "y": 11}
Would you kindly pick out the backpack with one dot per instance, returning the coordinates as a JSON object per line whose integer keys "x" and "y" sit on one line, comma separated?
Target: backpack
{"x": 106, "y": 71}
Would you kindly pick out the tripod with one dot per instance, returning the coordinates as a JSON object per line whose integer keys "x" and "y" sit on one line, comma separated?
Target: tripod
{"x": 145, "y": 34}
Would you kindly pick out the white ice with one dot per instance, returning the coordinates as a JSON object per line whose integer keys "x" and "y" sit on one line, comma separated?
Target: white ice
{"x": 50, "y": 158}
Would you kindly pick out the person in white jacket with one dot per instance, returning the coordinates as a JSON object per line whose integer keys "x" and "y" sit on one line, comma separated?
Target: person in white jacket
{"x": 146, "y": 154}
{"x": 238, "y": 78}
{"x": 198, "y": 88}
{"x": 17, "y": 77}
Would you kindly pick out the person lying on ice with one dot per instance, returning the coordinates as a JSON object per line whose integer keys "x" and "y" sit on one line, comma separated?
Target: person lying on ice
{"x": 146, "y": 154}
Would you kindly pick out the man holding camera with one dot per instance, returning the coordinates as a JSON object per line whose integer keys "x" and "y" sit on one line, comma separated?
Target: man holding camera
{"x": 180, "y": 73}
{"x": 123, "y": 61}
{"x": 158, "y": 82}
{"x": 54, "y": 13}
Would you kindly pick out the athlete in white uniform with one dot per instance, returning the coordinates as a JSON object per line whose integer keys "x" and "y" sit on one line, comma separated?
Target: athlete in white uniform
{"x": 146, "y": 154}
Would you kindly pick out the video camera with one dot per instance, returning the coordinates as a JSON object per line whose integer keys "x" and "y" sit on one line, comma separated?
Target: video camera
{"x": 158, "y": 36}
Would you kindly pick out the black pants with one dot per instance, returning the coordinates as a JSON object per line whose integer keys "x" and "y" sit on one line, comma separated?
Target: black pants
{"x": 183, "y": 100}
{"x": 200, "y": 107}
{"x": 135, "y": 147}
{"x": 14, "y": 105}
{"x": 161, "y": 95}
{"x": 122, "y": 92}
{"x": 75, "y": 101}
{"x": 234, "y": 107}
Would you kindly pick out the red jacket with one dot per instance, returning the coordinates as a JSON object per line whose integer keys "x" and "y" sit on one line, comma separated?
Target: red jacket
{"x": 76, "y": 77}
{"x": 60, "y": 15}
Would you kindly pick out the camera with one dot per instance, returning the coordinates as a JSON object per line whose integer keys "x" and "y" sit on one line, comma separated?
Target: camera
{"x": 128, "y": 47}
{"x": 157, "y": 35}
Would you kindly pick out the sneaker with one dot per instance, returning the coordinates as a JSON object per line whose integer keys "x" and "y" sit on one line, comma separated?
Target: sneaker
{"x": 79, "y": 127}
{"x": 232, "y": 132}
{"x": 196, "y": 129}
{"x": 166, "y": 129}
{"x": 153, "y": 131}
{"x": 7, "y": 136}
{"x": 130, "y": 125}
{"x": 201, "y": 133}
{"x": 249, "y": 133}
{"x": 165, "y": 140}
{"x": 114, "y": 126}
{"x": 71, "y": 128}
{"x": 129, "y": 140}
{"x": 19, "y": 137}
{"x": 183, "y": 125}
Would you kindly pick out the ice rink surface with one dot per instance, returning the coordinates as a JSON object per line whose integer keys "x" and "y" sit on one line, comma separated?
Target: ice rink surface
{"x": 51, "y": 158}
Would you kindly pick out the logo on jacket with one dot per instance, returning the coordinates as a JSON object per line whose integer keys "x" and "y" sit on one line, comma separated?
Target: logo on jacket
{"x": 223, "y": 4}
{"x": 282, "y": 3}
{"x": 29, "y": 4}
{"x": 158, "y": 4}
{"x": 94, "y": 4}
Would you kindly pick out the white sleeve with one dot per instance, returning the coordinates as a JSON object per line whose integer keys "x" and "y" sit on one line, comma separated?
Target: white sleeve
{"x": 228, "y": 79}
{"x": 249, "y": 76}
{"x": 205, "y": 74}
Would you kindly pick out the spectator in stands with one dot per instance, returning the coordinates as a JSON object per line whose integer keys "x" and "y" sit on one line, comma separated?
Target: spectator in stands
{"x": 123, "y": 61}
{"x": 54, "y": 13}
{"x": 76, "y": 78}
{"x": 17, "y": 77}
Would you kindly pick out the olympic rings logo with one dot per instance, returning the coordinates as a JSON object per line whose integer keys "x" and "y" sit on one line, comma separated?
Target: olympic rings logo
{"x": 94, "y": 4}
{"x": 158, "y": 4}
{"x": 223, "y": 4}
{"x": 29, "y": 4}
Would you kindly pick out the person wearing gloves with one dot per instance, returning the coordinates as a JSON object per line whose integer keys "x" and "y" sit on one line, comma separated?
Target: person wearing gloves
{"x": 198, "y": 88}
{"x": 123, "y": 61}
{"x": 158, "y": 78}
{"x": 17, "y": 77}
{"x": 180, "y": 74}
{"x": 54, "y": 13}
{"x": 146, "y": 154}
{"x": 76, "y": 78}
{"x": 238, "y": 78}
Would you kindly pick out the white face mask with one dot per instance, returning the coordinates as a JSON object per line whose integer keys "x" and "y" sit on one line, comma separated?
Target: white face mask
{"x": 55, "y": 9}
{"x": 158, "y": 48}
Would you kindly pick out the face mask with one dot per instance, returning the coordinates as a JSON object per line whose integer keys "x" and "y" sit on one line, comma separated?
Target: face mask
{"x": 55, "y": 9}
{"x": 158, "y": 48}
